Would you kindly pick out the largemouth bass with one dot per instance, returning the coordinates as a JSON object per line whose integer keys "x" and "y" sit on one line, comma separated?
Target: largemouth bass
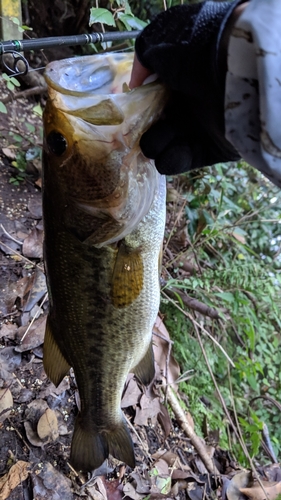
{"x": 104, "y": 217}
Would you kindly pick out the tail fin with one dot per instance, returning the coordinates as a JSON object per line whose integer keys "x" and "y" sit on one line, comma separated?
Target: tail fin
{"x": 90, "y": 448}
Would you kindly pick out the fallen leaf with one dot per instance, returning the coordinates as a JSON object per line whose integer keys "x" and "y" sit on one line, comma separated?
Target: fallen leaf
{"x": 9, "y": 361}
{"x": 142, "y": 483}
{"x": 32, "y": 435}
{"x": 62, "y": 427}
{"x": 37, "y": 291}
{"x": 160, "y": 477}
{"x": 8, "y": 331}
{"x": 10, "y": 153}
{"x": 239, "y": 237}
{"x": 34, "y": 336}
{"x": 132, "y": 393}
{"x": 6, "y": 403}
{"x": 239, "y": 481}
{"x": 130, "y": 491}
{"x": 35, "y": 207}
{"x": 16, "y": 475}
{"x": 270, "y": 491}
{"x": 17, "y": 291}
{"x": 50, "y": 484}
{"x": 53, "y": 390}
{"x": 114, "y": 490}
{"x": 47, "y": 427}
{"x": 161, "y": 347}
{"x": 148, "y": 409}
{"x": 164, "y": 420}
{"x": 39, "y": 182}
{"x": 33, "y": 245}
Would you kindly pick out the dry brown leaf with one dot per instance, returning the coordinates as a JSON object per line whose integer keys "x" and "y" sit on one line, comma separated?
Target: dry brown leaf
{"x": 50, "y": 484}
{"x": 161, "y": 350}
{"x": 6, "y": 403}
{"x": 34, "y": 336}
{"x": 239, "y": 237}
{"x": 39, "y": 182}
{"x": 35, "y": 207}
{"x": 10, "y": 152}
{"x": 148, "y": 410}
{"x": 239, "y": 481}
{"x": 164, "y": 420}
{"x": 47, "y": 427}
{"x": 16, "y": 475}
{"x": 142, "y": 483}
{"x": 8, "y": 331}
{"x": 32, "y": 435}
{"x": 256, "y": 492}
{"x": 33, "y": 245}
{"x": 161, "y": 477}
{"x": 130, "y": 491}
{"x": 17, "y": 291}
{"x": 132, "y": 393}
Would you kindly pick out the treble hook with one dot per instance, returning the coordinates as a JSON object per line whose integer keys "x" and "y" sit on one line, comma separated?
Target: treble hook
{"x": 15, "y": 71}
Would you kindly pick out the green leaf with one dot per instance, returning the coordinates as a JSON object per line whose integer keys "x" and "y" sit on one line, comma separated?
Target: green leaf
{"x": 131, "y": 21}
{"x": 10, "y": 85}
{"x": 227, "y": 296}
{"x": 101, "y": 16}
{"x": 26, "y": 28}
{"x": 3, "y": 108}
{"x": 38, "y": 110}
{"x": 14, "y": 81}
{"x": 30, "y": 127}
{"x": 15, "y": 20}
{"x": 252, "y": 381}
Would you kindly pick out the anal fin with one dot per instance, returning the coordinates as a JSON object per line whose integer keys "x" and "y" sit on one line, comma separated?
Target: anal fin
{"x": 55, "y": 365}
{"x": 145, "y": 370}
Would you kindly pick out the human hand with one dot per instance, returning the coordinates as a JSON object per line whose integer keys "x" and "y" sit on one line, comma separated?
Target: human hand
{"x": 182, "y": 46}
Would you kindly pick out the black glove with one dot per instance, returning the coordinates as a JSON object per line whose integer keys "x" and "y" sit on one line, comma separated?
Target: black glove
{"x": 181, "y": 46}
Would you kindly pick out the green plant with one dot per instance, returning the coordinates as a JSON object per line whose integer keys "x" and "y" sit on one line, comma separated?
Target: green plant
{"x": 20, "y": 164}
{"x": 232, "y": 215}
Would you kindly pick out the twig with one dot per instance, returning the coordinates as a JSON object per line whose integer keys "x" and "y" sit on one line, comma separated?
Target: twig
{"x": 193, "y": 303}
{"x": 138, "y": 437}
{"x": 18, "y": 433}
{"x": 10, "y": 236}
{"x": 174, "y": 225}
{"x": 185, "y": 265}
{"x": 34, "y": 317}
{"x": 24, "y": 258}
{"x": 195, "y": 440}
{"x": 25, "y": 93}
{"x": 189, "y": 316}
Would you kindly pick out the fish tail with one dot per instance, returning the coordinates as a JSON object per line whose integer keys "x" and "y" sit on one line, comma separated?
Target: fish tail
{"x": 90, "y": 448}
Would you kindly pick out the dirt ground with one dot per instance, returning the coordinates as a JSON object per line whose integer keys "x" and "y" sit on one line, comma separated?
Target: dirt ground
{"x": 36, "y": 418}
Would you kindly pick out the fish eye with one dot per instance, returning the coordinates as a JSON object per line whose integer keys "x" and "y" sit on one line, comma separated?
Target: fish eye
{"x": 56, "y": 143}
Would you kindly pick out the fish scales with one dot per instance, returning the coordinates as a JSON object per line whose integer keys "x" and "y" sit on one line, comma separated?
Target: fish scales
{"x": 102, "y": 257}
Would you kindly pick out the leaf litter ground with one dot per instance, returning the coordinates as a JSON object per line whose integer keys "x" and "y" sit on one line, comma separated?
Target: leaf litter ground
{"x": 37, "y": 419}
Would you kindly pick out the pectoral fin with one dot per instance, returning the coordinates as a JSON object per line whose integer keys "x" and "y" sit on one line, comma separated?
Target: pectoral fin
{"x": 55, "y": 365}
{"x": 127, "y": 280}
{"x": 145, "y": 370}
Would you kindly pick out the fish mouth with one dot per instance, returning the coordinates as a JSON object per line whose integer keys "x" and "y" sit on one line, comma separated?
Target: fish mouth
{"x": 92, "y": 133}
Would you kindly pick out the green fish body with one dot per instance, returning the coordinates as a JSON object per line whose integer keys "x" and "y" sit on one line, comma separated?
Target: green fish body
{"x": 104, "y": 217}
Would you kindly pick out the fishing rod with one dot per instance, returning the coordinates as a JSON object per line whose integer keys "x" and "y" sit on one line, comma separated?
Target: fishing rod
{"x": 15, "y": 47}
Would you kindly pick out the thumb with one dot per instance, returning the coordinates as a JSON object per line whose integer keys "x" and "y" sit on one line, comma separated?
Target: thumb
{"x": 139, "y": 74}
